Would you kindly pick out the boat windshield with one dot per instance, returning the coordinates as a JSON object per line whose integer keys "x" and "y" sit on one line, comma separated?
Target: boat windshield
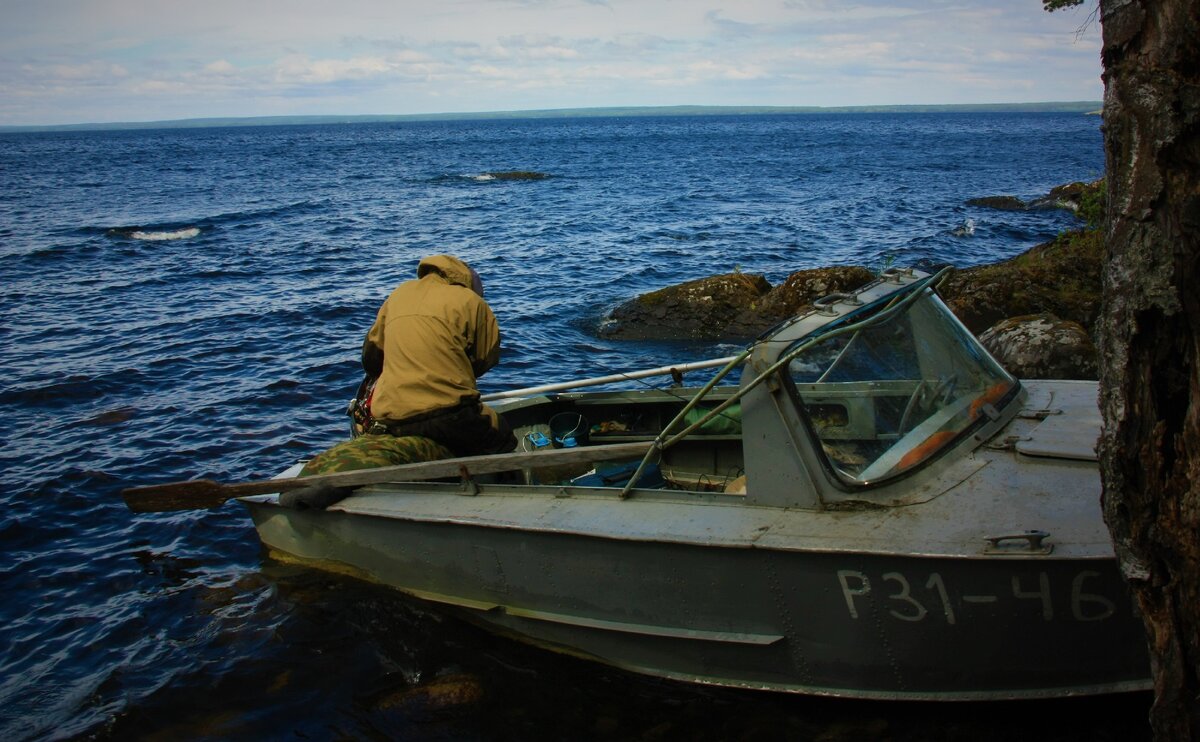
{"x": 889, "y": 396}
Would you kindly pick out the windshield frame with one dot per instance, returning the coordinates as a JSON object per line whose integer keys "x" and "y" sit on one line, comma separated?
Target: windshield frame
{"x": 981, "y": 404}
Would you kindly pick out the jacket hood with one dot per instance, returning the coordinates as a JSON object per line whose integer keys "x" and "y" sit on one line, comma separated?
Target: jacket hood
{"x": 451, "y": 268}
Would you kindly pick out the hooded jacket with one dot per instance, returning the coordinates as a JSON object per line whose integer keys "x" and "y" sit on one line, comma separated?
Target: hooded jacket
{"x": 431, "y": 339}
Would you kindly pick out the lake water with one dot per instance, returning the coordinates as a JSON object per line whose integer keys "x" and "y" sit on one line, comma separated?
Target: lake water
{"x": 187, "y": 303}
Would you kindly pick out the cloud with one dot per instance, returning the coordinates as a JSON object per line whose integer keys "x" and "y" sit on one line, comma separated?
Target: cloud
{"x": 708, "y": 69}
{"x": 160, "y": 87}
{"x": 299, "y": 69}
{"x": 62, "y": 75}
{"x": 730, "y": 27}
{"x": 844, "y": 49}
{"x": 220, "y": 67}
{"x": 85, "y": 57}
{"x": 637, "y": 43}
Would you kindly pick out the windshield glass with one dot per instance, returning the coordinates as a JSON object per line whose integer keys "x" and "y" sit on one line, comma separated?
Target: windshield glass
{"x": 890, "y": 395}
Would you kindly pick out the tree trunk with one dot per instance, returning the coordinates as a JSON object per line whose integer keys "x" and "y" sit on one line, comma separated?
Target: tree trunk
{"x": 1150, "y": 336}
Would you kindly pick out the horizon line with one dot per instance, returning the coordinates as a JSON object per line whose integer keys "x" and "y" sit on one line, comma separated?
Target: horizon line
{"x": 1085, "y": 107}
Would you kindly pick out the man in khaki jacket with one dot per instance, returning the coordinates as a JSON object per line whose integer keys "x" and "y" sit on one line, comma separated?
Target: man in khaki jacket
{"x": 432, "y": 338}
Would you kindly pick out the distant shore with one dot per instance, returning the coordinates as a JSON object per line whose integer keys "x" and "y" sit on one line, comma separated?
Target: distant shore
{"x": 1081, "y": 107}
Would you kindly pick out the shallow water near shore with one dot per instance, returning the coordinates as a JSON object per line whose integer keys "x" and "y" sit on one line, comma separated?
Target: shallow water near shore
{"x": 191, "y": 303}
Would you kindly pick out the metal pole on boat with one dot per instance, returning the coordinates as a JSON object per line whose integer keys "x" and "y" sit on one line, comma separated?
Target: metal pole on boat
{"x": 610, "y": 379}
{"x": 657, "y": 445}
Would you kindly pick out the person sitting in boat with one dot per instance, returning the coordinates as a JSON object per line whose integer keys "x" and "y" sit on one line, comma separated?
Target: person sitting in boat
{"x": 432, "y": 338}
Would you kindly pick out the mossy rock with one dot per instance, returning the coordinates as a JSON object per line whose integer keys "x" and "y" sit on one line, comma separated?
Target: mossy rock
{"x": 729, "y": 307}
{"x": 695, "y": 310}
{"x": 802, "y": 288}
{"x": 1060, "y": 278}
{"x": 789, "y": 298}
{"x": 1042, "y": 346}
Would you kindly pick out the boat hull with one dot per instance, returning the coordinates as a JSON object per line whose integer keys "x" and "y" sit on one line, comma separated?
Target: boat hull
{"x": 837, "y": 623}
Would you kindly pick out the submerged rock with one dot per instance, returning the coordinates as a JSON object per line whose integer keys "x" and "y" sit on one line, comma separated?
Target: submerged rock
{"x": 1042, "y": 346}
{"x": 443, "y": 694}
{"x": 517, "y": 175}
{"x": 1004, "y": 203}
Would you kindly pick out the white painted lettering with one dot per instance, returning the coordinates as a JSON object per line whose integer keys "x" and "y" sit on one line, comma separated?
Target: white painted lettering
{"x": 936, "y": 583}
{"x": 849, "y": 593}
{"x": 905, "y": 596}
{"x": 1042, "y": 593}
{"x": 1078, "y": 598}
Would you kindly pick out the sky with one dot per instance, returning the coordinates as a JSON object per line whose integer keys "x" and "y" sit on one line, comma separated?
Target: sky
{"x": 96, "y": 61}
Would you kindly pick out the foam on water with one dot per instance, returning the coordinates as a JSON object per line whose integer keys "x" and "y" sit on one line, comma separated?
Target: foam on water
{"x": 178, "y": 234}
{"x": 966, "y": 229}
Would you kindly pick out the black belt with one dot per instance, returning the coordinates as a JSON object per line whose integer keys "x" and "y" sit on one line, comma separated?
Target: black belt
{"x": 387, "y": 426}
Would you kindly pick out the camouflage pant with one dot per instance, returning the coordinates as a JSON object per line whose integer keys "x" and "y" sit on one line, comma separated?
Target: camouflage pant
{"x": 469, "y": 429}
{"x": 371, "y": 451}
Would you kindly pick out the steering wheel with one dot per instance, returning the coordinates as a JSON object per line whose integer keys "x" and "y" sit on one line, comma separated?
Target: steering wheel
{"x": 942, "y": 388}
{"x": 918, "y": 443}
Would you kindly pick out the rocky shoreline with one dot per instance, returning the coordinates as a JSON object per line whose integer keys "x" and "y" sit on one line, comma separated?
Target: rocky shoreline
{"x": 1035, "y": 312}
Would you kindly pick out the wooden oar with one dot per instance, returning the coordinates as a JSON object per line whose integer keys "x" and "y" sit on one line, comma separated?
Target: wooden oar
{"x": 204, "y": 493}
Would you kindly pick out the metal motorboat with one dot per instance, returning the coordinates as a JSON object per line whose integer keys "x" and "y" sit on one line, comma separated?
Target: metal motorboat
{"x": 875, "y": 509}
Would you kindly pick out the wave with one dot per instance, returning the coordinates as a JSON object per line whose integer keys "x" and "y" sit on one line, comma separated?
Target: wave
{"x": 72, "y": 390}
{"x": 195, "y": 227}
{"x": 272, "y": 212}
{"x": 150, "y": 234}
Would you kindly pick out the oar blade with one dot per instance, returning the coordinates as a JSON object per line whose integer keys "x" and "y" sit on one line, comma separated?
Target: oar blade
{"x": 160, "y": 498}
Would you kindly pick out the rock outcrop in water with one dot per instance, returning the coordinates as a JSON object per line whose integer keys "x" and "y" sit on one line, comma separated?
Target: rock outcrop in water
{"x": 733, "y": 306}
{"x": 1068, "y": 196}
{"x": 1036, "y": 311}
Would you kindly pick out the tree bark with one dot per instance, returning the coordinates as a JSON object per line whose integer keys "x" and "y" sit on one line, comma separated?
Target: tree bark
{"x": 1149, "y": 335}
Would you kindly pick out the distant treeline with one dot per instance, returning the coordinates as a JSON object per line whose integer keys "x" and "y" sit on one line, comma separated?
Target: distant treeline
{"x": 615, "y": 112}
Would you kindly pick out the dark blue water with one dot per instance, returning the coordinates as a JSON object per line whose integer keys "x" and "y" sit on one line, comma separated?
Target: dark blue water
{"x": 187, "y": 303}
